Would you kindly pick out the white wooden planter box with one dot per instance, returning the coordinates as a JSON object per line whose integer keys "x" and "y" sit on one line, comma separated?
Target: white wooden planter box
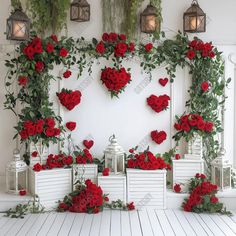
{"x": 87, "y": 171}
{"x": 50, "y": 185}
{"x": 114, "y": 185}
{"x": 184, "y": 170}
{"x": 146, "y": 188}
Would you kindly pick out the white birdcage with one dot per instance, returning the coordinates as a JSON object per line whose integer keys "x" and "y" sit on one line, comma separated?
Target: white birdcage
{"x": 16, "y": 174}
{"x": 114, "y": 156}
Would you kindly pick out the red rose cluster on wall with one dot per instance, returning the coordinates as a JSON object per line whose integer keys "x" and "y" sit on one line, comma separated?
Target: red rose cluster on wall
{"x": 69, "y": 99}
{"x": 115, "y": 79}
{"x": 158, "y": 104}
{"x": 158, "y": 137}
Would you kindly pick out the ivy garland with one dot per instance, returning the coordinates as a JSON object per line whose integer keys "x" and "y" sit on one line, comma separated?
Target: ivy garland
{"x": 176, "y": 52}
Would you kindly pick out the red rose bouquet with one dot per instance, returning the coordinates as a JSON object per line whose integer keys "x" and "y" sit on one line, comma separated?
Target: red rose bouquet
{"x": 69, "y": 99}
{"x": 188, "y": 124}
{"x": 115, "y": 80}
{"x": 45, "y": 129}
{"x": 89, "y": 198}
{"x": 203, "y": 197}
{"x": 145, "y": 160}
{"x": 158, "y": 104}
{"x": 198, "y": 49}
{"x": 83, "y": 156}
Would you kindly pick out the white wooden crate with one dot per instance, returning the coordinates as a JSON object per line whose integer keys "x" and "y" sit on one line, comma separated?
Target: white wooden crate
{"x": 114, "y": 185}
{"x": 50, "y": 185}
{"x": 87, "y": 171}
{"x": 184, "y": 170}
{"x": 146, "y": 188}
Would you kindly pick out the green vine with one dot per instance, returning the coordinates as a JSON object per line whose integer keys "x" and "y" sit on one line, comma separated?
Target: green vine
{"x": 48, "y": 15}
{"x": 16, "y": 4}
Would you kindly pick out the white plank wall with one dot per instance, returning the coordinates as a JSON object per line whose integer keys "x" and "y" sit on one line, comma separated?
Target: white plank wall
{"x": 121, "y": 223}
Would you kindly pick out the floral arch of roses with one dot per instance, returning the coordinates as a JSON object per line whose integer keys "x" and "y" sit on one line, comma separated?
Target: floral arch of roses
{"x": 36, "y": 58}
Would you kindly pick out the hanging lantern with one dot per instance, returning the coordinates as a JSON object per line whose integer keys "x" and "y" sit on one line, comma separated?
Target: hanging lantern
{"x": 149, "y": 20}
{"x": 16, "y": 174}
{"x": 221, "y": 171}
{"x": 18, "y": 26}
{"x": 194, "y": 19}
{"x": 79, "y": 11}
{"x": 114, "y": 156}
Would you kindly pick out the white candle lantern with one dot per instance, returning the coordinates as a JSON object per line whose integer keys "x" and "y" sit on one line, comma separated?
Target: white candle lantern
{"x": 16, "y": 174}
{"x": 114, "y": 156}
{"x": 221, "y": 171}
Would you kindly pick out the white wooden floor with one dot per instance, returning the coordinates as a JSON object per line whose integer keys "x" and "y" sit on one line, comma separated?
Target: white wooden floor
{"x": 120, "y": 223}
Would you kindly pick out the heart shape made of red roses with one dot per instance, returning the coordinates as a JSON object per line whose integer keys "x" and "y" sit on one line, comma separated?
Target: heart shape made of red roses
{"x": 88, "y": 143}
{"x": 158, "y": 103}
{"x": 158, "y": 137}
{"x": 163, "y": 82}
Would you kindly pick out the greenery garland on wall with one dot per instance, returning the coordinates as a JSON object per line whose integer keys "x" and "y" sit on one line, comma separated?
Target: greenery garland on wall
{"x": 203, "y": 59}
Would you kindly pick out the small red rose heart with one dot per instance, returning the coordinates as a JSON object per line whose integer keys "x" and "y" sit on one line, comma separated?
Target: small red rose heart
{"x": 163, "y": 82}
{"x": 88, "y": 143}
{"x": 158, "y": 137}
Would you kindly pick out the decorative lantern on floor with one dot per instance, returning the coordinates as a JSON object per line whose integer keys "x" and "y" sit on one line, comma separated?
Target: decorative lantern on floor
{"x": 149, "y": 20}
{"x": 194, "y": 19}
{"x": 114, "y": 156}
{"x": 221, "y": 171}
{"x": 18, "y": 26}
{"x": 16, "y": 174}
{"x": 79, "y": 11}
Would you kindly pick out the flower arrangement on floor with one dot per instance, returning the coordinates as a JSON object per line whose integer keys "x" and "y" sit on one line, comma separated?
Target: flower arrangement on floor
{"x": 187, "y": 125}
{"x": 115, "y": 80}
{"x": 69, "y": 99}
{"x": 145, "y": 160}
{"x": 158, "y": 103}
{"x": 89, "y": 198}
{"x": 203, "y": 197}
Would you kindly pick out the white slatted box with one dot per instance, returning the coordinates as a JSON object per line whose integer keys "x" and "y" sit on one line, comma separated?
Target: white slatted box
{"x": 146, "y": 188}
{"x": 87, "y": 171}
{"x": 114, "y": 185}
{"x": 184, "y": 170}
{"x": 50, "y": 185}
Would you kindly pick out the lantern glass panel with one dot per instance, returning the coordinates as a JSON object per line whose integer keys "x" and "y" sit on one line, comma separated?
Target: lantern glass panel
{"x": 120, "y": 164}
{"x": 19, "y": 29}
{"x": 84, "y": 13}
{"x": 74, "y": 12}
{"x": 226, "y": 177}
{"x": 149, "y": 23}
{"x": 217, "y": 176}
{"x": 11, "y": 181}
{"x": 194, "y": 23}
{"x": 22, "y": 180}
{"x": 110, "y": 163}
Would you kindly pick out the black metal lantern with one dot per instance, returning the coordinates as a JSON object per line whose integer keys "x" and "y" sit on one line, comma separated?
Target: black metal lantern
{"x": 18, "y": 26}
{"x": 194, "y": 19}
{"x": 79, "y": 11}
{"x": 149, "y": 22}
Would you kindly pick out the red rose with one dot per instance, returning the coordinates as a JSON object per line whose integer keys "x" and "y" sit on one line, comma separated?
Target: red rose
{"x": 211, "y": 54}
{"x": 214, "y": 199}
{"x": 49, "y": 48}
{"x": 34, "y": 154}
{"x": 131, "y": 150}
{"x": 63, "y": 52}
{"x": 31, "y": 130}
{"x": 23, "y": 134}
{"x": 71, "y": 125}
{"x": 198, "y": 175}
{"x": 100, "y": 48}
{"x": 22, "y": 192}
{"x": 177, "y": 126}
{"x": 131, "y": 47}
{"x": 208, "y": 126}
{"x": 130, "y": 206}
{"x": 202, "y": 176}
{"x": 112, "y": 37}
{"x": 63, "y": 206}
{"x": 190, "y": 54}
{"x": 201, "y": 125}
{"x": 122, "y": 37}
{"x": 120, "y": 49}
{"x": 50, "y": 122}
{"x": 205, "y": 86}
{"x": 106, "y": 172}
{"x": 177, "y": 156}
{"x": 67, "y": 74}
{"x": 49, "y": 132}
{"x": 148, "y": 47}
{"x": 193, "y": 43}
{"x": 106, "y": 199}
{"x": 105, "y": 37}
{"x": 96, "y": 210}
{"x": 22, "y": 80}
{"x": 39, "y": 66}
{"x": 54, "y": 38}
{"x": 185, "y": 127}
{"x": 37, "y": 167}
{"x": 177, "y": 188}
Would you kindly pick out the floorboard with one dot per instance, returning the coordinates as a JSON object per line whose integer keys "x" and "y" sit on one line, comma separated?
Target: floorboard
{"x": 120, "y": 223}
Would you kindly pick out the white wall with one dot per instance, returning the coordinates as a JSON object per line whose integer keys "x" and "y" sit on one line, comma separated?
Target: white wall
{"x": 129, "y": 117}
